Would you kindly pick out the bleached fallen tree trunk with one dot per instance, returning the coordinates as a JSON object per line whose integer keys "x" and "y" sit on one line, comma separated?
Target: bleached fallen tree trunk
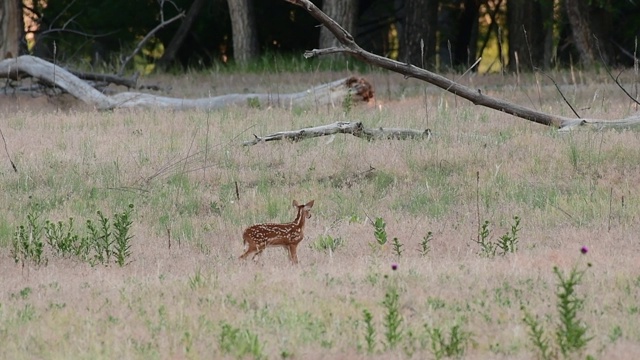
{"x": 354, "y": 128}
{"x": 333, "y": 93}
{"x": 349, "y": 46}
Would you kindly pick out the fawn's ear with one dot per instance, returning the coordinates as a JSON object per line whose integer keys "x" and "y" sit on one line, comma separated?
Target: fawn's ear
{"x": 309, "y": 205}
{"x": 295, "y": 203}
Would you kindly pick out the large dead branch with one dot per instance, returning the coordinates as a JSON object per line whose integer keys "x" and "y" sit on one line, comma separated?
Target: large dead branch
{"x": 349, "y": 46}
{"x": 334, "y": 93}
{"x": 354, "y": 128}
{"x": 107, "y": 78}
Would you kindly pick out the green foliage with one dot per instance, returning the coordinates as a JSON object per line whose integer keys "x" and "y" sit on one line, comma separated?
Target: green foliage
{"x": 571, "y": 333}
{"x": 239, "y": 343}
{"x": 97, "y": 246}
{"x": 197, "y": 280}
{"x": 347, "y": 104}
{"x": 425, "y": 244}
{"x": 487, "y": 247}
{"x": 507, "y": 243}
{"x": 536, "y": 335}
{"x": 454, "y": 345}
{"x": 122, "y": 242}
{"x": 392, "y": 319}
{"x": 62, "y": 238}
{"x": 370, "y": 331}
{"x": 102, "y": 239}
{"x": 397, "y": 246}
{"x": 27, "y": 244}
{"x": 327, "y": 243}
{"x": 380, "y": 232}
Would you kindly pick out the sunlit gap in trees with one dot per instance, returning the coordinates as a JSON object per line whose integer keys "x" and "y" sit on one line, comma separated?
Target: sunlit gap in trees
{"x": 31, "y": 20}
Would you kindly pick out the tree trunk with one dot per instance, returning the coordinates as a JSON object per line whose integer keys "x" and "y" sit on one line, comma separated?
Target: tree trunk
{"x": 577, "y": 13}
{"x": 420, "y": 25}
{"x": 243, "y": 31}
{"x": 345, "y": 12}
{"x": 170, "y": 52}
{"x": 458, "y": 24}
{"x": 527, "y": 17}
{"x": 11, "y": 28}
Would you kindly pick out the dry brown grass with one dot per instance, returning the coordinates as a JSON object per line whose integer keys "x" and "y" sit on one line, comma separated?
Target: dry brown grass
{"x": 170, "y": 303}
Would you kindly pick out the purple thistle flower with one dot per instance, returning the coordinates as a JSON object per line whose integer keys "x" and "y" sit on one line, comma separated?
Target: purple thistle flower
{"x": 584, "y": 250}
{"x": 394, "y": 267}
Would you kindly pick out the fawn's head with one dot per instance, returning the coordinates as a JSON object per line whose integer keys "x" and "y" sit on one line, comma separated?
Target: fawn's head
{"x": 304, "y": 211}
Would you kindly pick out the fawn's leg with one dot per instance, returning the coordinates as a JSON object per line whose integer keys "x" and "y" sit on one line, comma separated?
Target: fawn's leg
{"x": 252, "y": 248}
{"x": 293, "y": 253}
{"x": 247, "y": 253}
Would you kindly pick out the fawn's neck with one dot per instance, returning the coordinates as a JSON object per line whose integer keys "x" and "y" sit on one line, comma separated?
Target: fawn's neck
{"x": 300, "y": 218}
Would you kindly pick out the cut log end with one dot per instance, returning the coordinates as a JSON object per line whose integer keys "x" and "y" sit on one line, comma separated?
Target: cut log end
{"x": 362, "y": 87}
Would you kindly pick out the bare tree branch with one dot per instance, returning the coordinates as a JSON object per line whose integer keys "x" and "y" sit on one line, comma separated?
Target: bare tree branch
{"x": 606, "y": 68}
{"x": 354, "y": 128}
{"x": 475, "y": 96}
{"x": 145, "y": 39}
{"x": 560, "y": 92}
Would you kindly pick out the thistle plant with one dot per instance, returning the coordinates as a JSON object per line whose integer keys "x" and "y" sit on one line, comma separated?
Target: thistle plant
{"x": 397, "y": 247}
{"x": 425, "y": 244}
{"x": 370, "y": 331}
{"x": 122, "y": 242}
{"x": 570, "y": 333}
{"x": 487, "y": 247}
{"x": 508, "y": 242}
{"x": 392, "y": 319}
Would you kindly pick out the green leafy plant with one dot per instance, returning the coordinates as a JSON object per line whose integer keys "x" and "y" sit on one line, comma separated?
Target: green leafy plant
{"x": 487, "y": 247}
{"x": 27, "y": 244}
{"x": 122, "y": 242}
{"x": 508, "y": 242}
{"x": 392, "y": 319}
{"x": 369, "y": 331}
{"x": 197, "y": 280}
{"x": 536, "y": 334}
{"x": 347, "y": 103}
{"x": 103, "y": 241}
{"x": 239, "y": 343}
{"x": 327, "y": 243}
{"x": 425, "y": 244}
{"x": 60, "y": 236}
{"x": 571, "y": 333}
{"x": 397, "y": 247}
{"x": 380, "y": 232}
{"x": 454, "y": 345}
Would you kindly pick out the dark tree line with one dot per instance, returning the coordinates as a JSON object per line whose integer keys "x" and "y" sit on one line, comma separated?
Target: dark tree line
{"x": 430, "y": 33}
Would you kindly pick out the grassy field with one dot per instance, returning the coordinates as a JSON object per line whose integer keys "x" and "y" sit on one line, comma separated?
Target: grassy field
{"x": 183, "y": 293}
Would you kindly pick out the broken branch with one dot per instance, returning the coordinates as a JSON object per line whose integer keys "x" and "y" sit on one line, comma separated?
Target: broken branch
{"x": 341, "y": 127}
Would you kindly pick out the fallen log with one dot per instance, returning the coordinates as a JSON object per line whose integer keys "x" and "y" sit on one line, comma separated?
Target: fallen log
{"x": 334, "y": 93}
{"x": 340, "y": 127}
